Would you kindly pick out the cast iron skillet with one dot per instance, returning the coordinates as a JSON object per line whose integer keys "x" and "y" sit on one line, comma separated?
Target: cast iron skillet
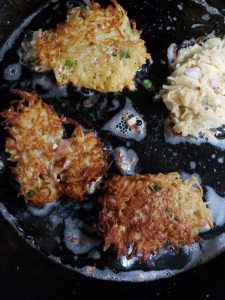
{"x": 30, "y": 265}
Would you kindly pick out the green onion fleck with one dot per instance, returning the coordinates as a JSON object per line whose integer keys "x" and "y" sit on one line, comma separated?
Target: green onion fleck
{"x": 125, "y": 54}
{"x": 156, "y": 188}
{"x": 147, "y": 83}
{"x": 30, "y": 193}
{"x": 70, "y": 63}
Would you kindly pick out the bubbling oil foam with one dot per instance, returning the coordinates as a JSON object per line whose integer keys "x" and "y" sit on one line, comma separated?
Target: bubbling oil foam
{"x": 12, "y": 72}
{"x": 210, "y": 9}
{"x": 77, "y": 241}
{"x": 43, "y": 211}
{"x": 173, "y": 139}
{"x": 192, "y": 165}
{"x": 197, "y": 255}
{"x": 126, "y": 160}
{"x": 221, "y": 160}
{"x": 186, "y": 176}
{"x": 128, "y": 263}
{"x": 127, "y": 124}
{"x": 217, "y": 206}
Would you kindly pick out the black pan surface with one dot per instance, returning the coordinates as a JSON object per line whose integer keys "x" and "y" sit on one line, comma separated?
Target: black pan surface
{"x": 171, "y": 21}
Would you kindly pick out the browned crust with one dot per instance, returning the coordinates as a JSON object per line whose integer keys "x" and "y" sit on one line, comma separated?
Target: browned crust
{"x": 133, "y": 213}
{"x": 27, "y": 132}
{"x": 86, "y": 163}
{"x": 100, "y": 67}
{"x": 36, "y": 145}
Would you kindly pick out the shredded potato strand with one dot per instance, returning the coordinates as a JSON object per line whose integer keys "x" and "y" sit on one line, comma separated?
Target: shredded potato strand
{"x": 195, "y": 93}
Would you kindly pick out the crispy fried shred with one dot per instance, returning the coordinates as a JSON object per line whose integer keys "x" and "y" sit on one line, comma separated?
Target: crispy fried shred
{"x": 97, "y": 48}
{"x": 48, "y": 166}
{"x": 150, "y": 212}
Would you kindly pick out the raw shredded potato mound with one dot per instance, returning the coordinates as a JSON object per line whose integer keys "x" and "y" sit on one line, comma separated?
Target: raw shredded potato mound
{"x": 97, "y": 48}
{"x": 151, "y": 212}
{"x": 195, "y": 93}
{"x": 48, "y": 166}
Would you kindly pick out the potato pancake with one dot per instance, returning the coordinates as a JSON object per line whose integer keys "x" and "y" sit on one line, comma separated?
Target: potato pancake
{"x": 97, "y": 48}
{"x": 195, "y": 93}
{"x": 48, "y": 166}
{"x": 150, "y": 212}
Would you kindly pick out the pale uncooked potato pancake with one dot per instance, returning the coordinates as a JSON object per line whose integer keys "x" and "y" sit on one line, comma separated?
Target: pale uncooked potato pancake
{"x": 97, "y": 48}
{"x": 148, "y": 212}
{"x": 47, "y": 165}
{"x": 195, "y": 92}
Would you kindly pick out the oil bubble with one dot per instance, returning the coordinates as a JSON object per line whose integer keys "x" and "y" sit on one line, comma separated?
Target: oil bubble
{"x": 124, "y": 124}
{"x": 126, "y": 160}
{"x": 13, "y": 72}
{"x": 77, "y": 241}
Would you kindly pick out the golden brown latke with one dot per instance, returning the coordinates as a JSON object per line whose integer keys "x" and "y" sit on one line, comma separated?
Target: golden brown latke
{"x": 151, "y": 212}
{"x": 49, "y": 166}
{"x": 34, "y": 129}
{"x": 97, "y": 48}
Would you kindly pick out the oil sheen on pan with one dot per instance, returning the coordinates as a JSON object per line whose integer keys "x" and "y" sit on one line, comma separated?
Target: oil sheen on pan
{"x": 53, "y": 228}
